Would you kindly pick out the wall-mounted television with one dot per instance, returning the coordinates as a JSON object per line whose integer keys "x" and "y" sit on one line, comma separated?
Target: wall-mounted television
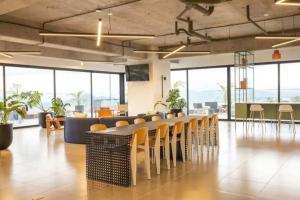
{"x": 137, "y": 72}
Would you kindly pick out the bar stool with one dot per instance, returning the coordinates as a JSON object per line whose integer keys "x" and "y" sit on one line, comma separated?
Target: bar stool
{"x": 286, "y": 109}
{"x": 140, "y": 144}
{"x": 139, "y": 121}
{"x": 257, "y": 108}
{"x": 192, "y": 135}
{"x": 161, "y": 140}
{"x": 178, "y": 130}
{"x": 214, "y": 130}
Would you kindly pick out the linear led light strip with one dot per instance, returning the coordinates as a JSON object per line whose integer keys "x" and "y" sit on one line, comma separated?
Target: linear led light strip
{"x": 291, "y": 39}
{"x": 60, "y": 34}
{"x": 165, "y": 52}
{"x": 99, "y": 32}
{"x": 284, "y": 3}
{"x": 6, "y": 55}
{"x": 175, "y": 51}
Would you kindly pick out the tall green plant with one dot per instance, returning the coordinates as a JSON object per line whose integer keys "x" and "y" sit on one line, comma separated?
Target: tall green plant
{"x": 58, "y": 106}
{"x": 174, "y": 100}
{"x": 77, "y": 97}
{"x": 18, "y": 103}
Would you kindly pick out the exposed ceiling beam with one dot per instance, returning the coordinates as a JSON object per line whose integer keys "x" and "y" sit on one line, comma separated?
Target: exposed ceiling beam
{"x": 7, "y": 6}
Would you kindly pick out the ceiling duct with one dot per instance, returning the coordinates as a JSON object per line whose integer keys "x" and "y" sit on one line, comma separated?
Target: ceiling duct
{"x": 195, "y": 4}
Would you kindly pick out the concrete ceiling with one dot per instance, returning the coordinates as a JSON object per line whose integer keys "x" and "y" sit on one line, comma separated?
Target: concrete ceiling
{"x": 143, "y": 17}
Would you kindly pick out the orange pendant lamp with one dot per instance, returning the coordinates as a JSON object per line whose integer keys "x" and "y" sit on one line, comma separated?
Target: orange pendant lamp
{"x": 276, "y": 55}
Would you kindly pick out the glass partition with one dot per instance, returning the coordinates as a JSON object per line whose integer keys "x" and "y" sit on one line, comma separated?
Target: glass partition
{"x": 74, "y": 87}
{"x": 19, "y": 80}
{"x": 208, "y": 91}
{"x": 290, "y": 82}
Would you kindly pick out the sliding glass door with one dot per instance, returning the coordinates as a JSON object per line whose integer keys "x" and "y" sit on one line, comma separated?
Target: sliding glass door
{"x": 19, "y": 79}
{"x": 208, "y": 91}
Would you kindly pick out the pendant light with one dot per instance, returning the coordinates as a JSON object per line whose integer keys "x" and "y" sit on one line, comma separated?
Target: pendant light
{"x": 276, "y": 55}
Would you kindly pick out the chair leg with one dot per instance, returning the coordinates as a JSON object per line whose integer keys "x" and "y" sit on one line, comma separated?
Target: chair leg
{"x": 293, "y": 122}
{"x": 147, "y": 161}
{"x": 167, "y": 151}
{"x": 279, "y": 121}
{"x": 189, "y": 145}
{"x": 182, "y": 146}
{"x": 157, "y": 158}
{"x": 133, "y": 162}
{"x": 196, "y": 139}
{"x": 173, "y": 143}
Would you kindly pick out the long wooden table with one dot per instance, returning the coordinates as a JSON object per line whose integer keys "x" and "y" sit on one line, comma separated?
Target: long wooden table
{"x": 108, "y": 151}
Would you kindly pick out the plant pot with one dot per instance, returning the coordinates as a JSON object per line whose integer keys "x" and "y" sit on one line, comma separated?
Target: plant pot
{"x": 175, "y": 111}
{"x": 42, "y": 118}
{"x": 6, "y": 135}
{"x": 79, "y": 108}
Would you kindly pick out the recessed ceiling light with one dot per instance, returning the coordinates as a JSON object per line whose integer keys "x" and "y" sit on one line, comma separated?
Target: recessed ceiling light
{"x": 109, "y": 14}
{"x": 266, "y": 15}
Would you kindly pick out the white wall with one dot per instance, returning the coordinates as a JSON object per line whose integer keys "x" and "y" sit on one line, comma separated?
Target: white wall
{"x": 143, "y": 95}
{"x": 289, "y": 53}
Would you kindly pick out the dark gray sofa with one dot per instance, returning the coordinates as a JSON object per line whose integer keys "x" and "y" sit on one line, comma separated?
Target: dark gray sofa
{"x": 75, "y": 128}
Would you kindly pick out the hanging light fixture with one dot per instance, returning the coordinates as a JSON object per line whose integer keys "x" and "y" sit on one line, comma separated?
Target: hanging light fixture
{"x": 99, "y": 33}
{"x": 287, "y": 2}
{"x": 276, "y": 55}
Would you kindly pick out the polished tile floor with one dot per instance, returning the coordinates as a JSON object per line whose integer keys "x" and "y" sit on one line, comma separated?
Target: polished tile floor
{"x": 257, "y": 165}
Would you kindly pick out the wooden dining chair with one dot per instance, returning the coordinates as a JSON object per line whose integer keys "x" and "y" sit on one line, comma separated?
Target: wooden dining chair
{"x": 181, "y": 114}
{"x": 204, "y": 131}
{"x": 192, "y": 137}
{"x": 139, "y": 121}
{"x": 170, "y": 116}
{"x": 53, "y": 124}
{"x": 214, "y": 130}
{"x": 97, "y": 127}
{"x": 178, "y": 130}
{"x": 161, "y": 139}
{"x": 122, "y": 123}
{"x": 155, "y": 118}
{"x": 140, "y": 144}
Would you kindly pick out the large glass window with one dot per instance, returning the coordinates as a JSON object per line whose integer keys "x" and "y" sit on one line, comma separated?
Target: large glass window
{"x": 28, "y": 79}
{"x": 74, "y": 88}
{"x": 290, "y": 82}
{"x": 178, "y": 80}
{"x": 266, "y": 83}
{"x": 208, "y": 91}
{"x": 1, "y": 82}
{"x": 106, "y": 90}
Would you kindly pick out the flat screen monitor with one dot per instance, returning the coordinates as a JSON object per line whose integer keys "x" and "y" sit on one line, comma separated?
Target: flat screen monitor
{"x": 137, "y": 72}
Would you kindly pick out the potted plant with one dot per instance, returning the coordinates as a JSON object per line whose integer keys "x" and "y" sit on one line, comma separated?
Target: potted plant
{"x": 176, "y": 104}
{"x": 77, "y": 99}
{"x": 15, "y": 103}
{"x": 36, "y": 97}
{"x": 59, "y": 107}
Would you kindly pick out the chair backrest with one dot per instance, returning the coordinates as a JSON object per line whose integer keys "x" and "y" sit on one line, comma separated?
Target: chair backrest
{"x": 256, "y": 108}
{"x": 80, "y": 115}
{"x": 204, "y": 122}
{"x": 155, "y": 118}
{"x": 197, "y": 105}
{"x": 170, "y": 116}
{"x": 122, "y": 123}
{"x": 178, "y": 128}
{"x": 141, "y": 135}
{"x": 214, "y": 120}
{"x": 163, "y": 130}
{"x": 193, "y": 125}
{"x": 213, "y": 104}
{"x": 98, "y": 127}
{"x": 139, "y": 121}
{"x": 181, "y": 114}
{"x": 285, "y": 108}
